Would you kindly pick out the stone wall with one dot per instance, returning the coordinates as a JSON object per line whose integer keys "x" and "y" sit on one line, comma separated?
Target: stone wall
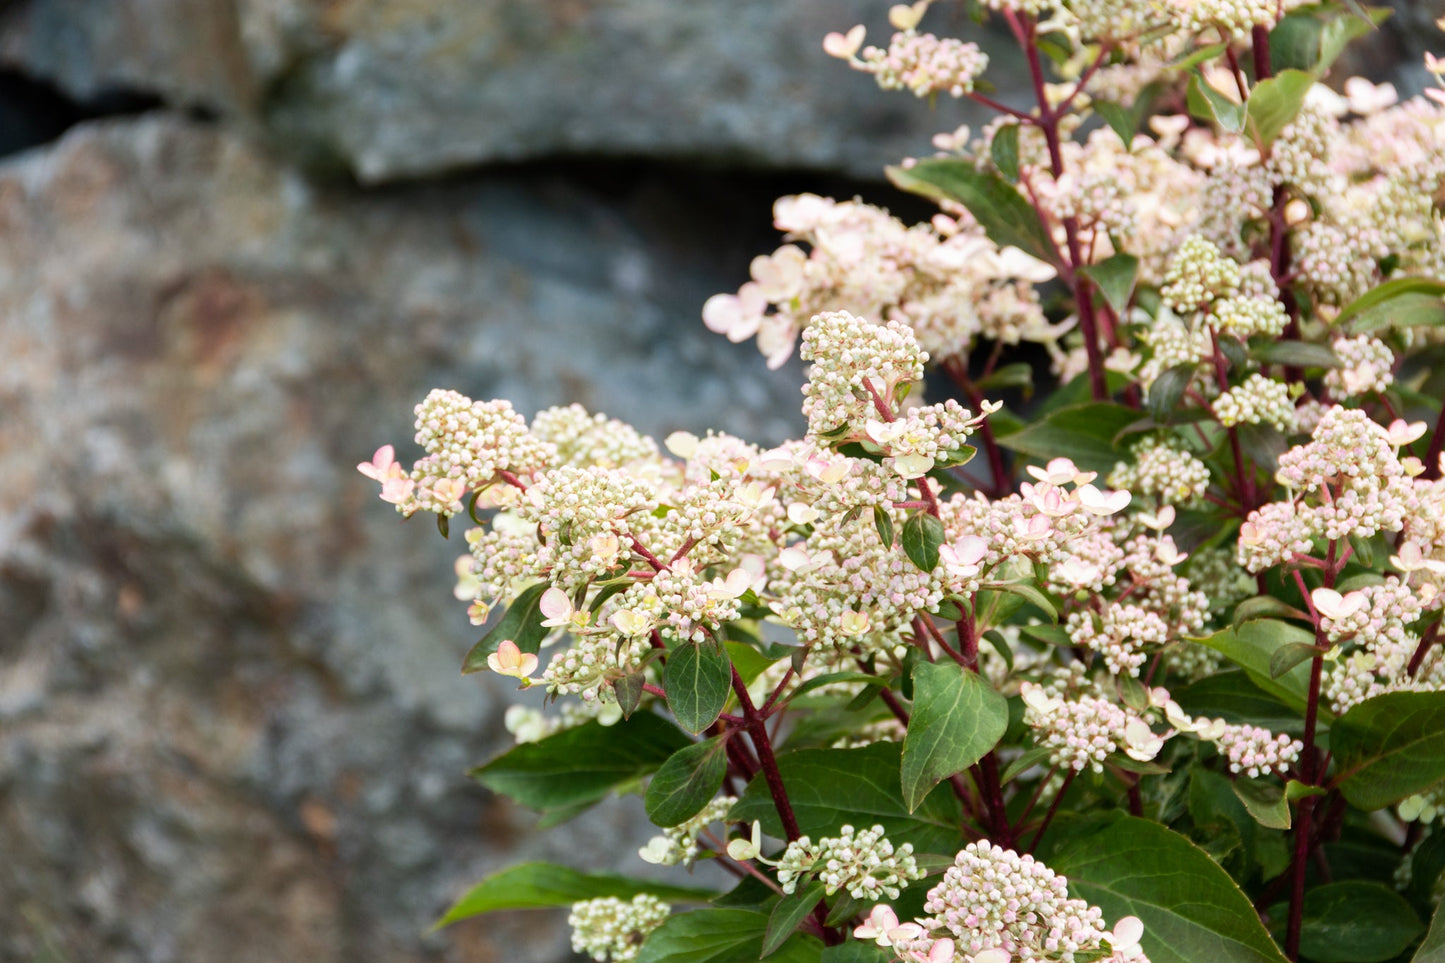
{"x": 231, "y": 722}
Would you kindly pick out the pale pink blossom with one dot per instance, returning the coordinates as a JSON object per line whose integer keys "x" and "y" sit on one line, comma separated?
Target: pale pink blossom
{"x": 511, "y": 660}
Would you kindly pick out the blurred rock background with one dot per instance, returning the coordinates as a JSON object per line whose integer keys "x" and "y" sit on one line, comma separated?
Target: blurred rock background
{"x": 238, "y": 240}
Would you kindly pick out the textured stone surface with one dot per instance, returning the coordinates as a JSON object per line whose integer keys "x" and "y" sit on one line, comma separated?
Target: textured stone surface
{"x": 404, "y": 88}
{"x": 231, "y": 723}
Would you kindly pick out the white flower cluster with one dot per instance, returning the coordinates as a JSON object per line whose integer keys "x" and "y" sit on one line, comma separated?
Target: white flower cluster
{"x": 863, "y": 862}
{"x": 1081, "y": 727}
{"x": 924, "y": 64}
{"x": 468, "y": 442}
{"x": 1254, "y": 751}
{"x": 857, "y": 366}
{"x": 1258, "y": 400}
{"x": 1368, "y": 367}
{"x": 1164, "y": 468}
{"x": 1234, "y": 17}
{"x": 586, "y": 440}
{"x": 613, "y": 929}
{"x": 1198, "y": 275}
{"x": 946, "y": 280}
{"x": 992, "y": 898}
{"x": 1347, "y": 480}
{"x": 1246, "y": 317}
{"x": 678, "y": 844}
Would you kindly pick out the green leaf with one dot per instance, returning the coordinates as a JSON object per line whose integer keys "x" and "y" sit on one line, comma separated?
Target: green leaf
{"x": 1401, "y": 303}
{"x": 686, "y": 783}
{"x": 1167, "y": 389}
{"x": 1003, "y": 213}
{"x": 1030, "y": 594}
{"x": 790, "y": 911}
{"x": 857, "y": 951}
{"x": 1198, "y": 56}
{"x": 697, "y": 678}
{"x": 1265, "y": 801}
{"x": 837, "y": 678}
{"x": 1019, "y": 375}
{"x": 581, "y": 765}
{"x": 1297, "y": 354}
{"x": 1263, "y": 607}
{"x": 715, "y": 935}
{"x": 832, "y": 787}
{"x": 884, "y": 523}
{"x": 1355, "y": 921}
{"x": 1338, "y": 33}
{"x": 1206, "y": 103}
{"x": 1288, "y": 656}
{"x": 957, "y": 718}
{"x": 1005, "y": 151}
{"x": 1192, "y": 911}
{"x": 543, "y": 885}
{"x": 1432, "y": 950}
{"x": 1082, "y": 432}
{"x": 1231, "y": 696}
{"x": 1390, "y": 747}
{"x": 922, "y": 536}
{"x": 1252, "y": 645}
{"x": 1115, "y": 278}
{"x": 522, "y": 623}
{"x": 1275, "y": 102}
{"x": 628, "y": 691}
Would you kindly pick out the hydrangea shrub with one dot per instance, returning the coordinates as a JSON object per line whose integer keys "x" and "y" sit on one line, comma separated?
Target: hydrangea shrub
{"x": 1146, "y": 670}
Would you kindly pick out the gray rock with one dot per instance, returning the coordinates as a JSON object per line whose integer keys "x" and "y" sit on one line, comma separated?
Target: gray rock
{"x": 393, "y": 89}
{"x": 231, "y": 721}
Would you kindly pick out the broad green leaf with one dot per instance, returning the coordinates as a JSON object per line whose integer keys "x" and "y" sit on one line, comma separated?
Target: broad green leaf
{"x": 697, "y": 678}
{"x": 1115, "y": 278}
{"x": 628, "y": 691}
{"x": 1004, "y": 214}
{"x": 1355, "y": 921}
{"x": 687, "y": 782}
{"x": 857, "y": 951}
{"x": 790, "y": 911}
{"x": 522, "y": 623}
{"x": 1192, "y": 911}
{"x": 1031, "y": 594}
{"x": 1198, "y": 55}
{"x": 1017, "y": 375}
{"x": 922, "y": 536}
{"x": 581, "y": 765}
{"x": 1252, "y": 645}
{"x": 1265, "y": 801}
{"x": 832, "y": 787}
{"x": 1167, "y": 389}
{"x": 1390, "y": 747}
{"x": 1232, "y": 697}
{"x": 1338, "y": 33}
{"x": 1399, "y": 303}
{"x": 837, "y": 678}
{"x": 716, "y": 935}
{"x": 1288, "y": 656}
{"x": 543, "y": 885}
{"x": 1083, "y": 432}
{"x": 1298, "y": 354}
{"x": 957, "y": 718}
{"x": 1312, "y": 39}
{"x": 1275, "y": 102}
{"x": 884, "y": 523}
{"x": 745, "y": 657}
{"x": 1405, "y": 311}
{"x": 1432, "y": 949}
{"x": 1005, "y": 151}
{"x": 1206, "y": 103}
{"x": 1263, "y": 607}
